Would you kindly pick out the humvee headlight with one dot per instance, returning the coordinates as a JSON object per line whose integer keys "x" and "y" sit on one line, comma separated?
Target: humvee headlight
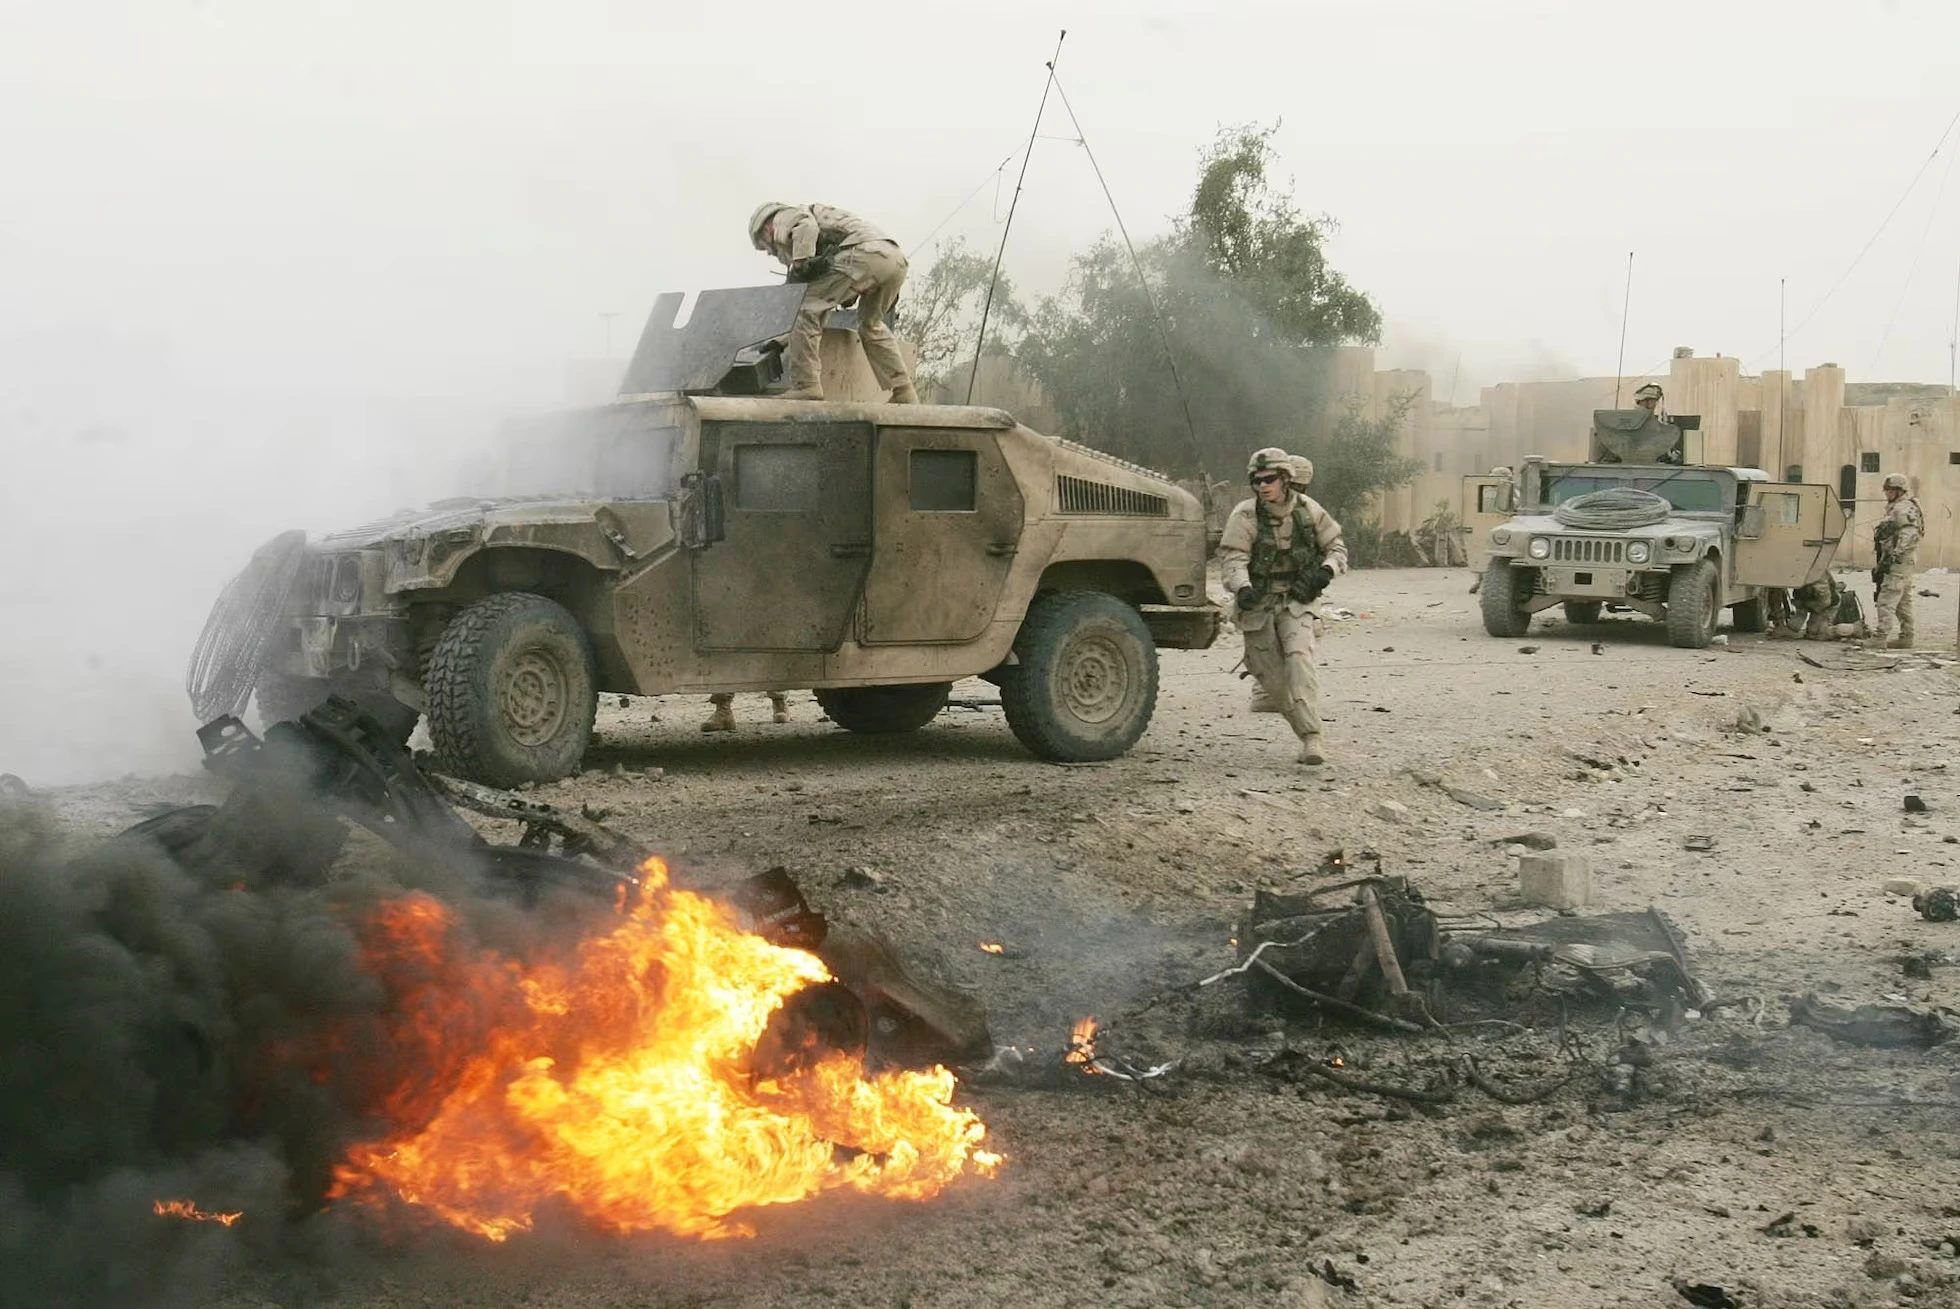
{"x": 1500, "y": 536}
{"x": 1637, "y": 552}
{"x": 1540, "y": 548}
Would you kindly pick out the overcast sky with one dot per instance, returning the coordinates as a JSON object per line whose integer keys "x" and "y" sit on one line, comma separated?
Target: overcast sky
{"x": 262, "y": 258}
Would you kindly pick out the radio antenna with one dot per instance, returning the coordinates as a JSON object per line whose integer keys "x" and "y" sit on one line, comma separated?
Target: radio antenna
{"x": 1626, "y": 303}
{"x": 980, "y": 341}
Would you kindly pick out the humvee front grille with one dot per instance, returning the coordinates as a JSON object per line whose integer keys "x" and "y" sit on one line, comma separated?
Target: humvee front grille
{"x": 1076, "y": 495}
{"x": 1588, "y": 550}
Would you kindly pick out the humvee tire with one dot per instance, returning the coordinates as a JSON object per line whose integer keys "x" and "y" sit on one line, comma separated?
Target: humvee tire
{"x": 1691, "y": 609}
{"x": 1502, "y": 606}
{"x": 1086, "y": 681}
{"x": 884, "y": 710}
{"x": 1750, "y": 615}
{"x": 1583, "y": 613}
{"x": 283, "y": 699}
{"x": 510, "y": 688}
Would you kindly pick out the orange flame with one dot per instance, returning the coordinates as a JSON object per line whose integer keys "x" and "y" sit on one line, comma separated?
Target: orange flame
{"x": 188, "y": 1210}
{"x": 1082, "y": 1044}
{"x": 619, "y": 1081}
{"x": 993, "y": 947}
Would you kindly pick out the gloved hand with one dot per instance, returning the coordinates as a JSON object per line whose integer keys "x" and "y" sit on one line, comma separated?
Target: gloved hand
{"x": 1317, "y": 581}
{"x": 1247, "y": 597}
{"x": 810, "y": 269}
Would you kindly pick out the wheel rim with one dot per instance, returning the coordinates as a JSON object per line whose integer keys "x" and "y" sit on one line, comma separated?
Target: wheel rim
{"x": 1094, "y": 679}
{"x": 535, "y": 695}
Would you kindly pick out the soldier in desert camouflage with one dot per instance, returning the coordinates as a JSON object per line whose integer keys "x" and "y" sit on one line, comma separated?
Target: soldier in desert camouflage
{"x": 1896, "y": 542}
{"x": 1279, "y": 551}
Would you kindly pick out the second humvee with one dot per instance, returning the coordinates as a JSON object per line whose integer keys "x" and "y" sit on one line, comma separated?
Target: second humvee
{"x": 1708, "y": 537}
{"x": 696, "y": 535}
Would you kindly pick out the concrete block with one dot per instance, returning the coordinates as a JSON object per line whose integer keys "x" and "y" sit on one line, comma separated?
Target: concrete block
{"x": 1391, "y": 811}
{"x": 1557, "y": 879}
{"x": 1902, "y": 886}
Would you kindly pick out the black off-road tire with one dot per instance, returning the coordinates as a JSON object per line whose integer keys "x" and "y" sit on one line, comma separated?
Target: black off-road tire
{"x": 1691, "y": 608}
{"x": 1085, "y": 683}
{"x": 1750, "y": 615}
{"x": 884, "y": 710}
{"x": 511, "y": 691}
{"x": 283, "y": 699}
{"x": 1583, "y": 613}
{"x": 1501, "y": 599}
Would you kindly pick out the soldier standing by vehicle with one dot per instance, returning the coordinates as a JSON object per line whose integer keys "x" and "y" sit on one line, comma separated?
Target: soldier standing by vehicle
{"x": 1279, "y": 551}
{"x": 839, "y": 257}
{"x": 1896, "y": 543}
{"x": 723, "y": 717}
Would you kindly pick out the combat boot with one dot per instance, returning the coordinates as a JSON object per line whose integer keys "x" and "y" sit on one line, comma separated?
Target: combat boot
{"x": 780, "y": 706}
{"x": 801, "y": 393}
{"x": 905, "y": 394}
{"x": 1310, "y": 751}
{"x": 722, "y": 719}
{"x": 1903, "y": 642}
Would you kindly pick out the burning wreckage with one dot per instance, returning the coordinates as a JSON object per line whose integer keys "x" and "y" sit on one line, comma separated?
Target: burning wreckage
{"x": 681, "y": 1059}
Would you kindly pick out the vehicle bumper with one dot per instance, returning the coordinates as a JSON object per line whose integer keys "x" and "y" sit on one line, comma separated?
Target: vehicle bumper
{"x": 326, "y": 646}
{"x": 1182, "y": 627}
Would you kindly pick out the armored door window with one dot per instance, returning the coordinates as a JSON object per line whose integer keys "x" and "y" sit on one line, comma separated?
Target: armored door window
{"x": 777, "y": 479}
{"x": 1490, "y": 499}
{"x": 1782, "y": 508}
{"x": 943, "y": 481}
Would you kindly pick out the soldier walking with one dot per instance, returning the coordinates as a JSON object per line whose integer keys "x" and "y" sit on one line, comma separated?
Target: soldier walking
{"x": 1896, "y": 541}
{"x": 1278, "y": 552}
{"x": 722, "y": 719}
{"x": 839, "y": 257}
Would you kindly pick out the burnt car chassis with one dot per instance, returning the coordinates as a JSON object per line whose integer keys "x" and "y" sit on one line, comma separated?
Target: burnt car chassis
{"x": 296, "y": 792}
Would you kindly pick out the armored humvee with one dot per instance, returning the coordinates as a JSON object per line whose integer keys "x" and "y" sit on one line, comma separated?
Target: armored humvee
{"x": 1702, "y": 538}
{"x": 696, "y": 535}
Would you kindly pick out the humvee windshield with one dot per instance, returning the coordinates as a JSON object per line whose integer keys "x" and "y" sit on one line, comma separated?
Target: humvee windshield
{"x": 1688, "y": 491}
{"x": 608, "y": 454}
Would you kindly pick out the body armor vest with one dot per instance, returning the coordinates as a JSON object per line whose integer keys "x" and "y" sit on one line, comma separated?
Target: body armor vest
{"x": 1273, "y": 569}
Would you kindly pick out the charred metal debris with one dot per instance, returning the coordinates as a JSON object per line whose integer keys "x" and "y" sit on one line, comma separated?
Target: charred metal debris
{"x": 297, "y": 793}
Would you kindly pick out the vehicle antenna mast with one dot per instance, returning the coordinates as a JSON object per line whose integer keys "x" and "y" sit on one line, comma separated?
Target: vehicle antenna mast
{"x": 986, "y": 308}
{"x": 1626, "y": 303}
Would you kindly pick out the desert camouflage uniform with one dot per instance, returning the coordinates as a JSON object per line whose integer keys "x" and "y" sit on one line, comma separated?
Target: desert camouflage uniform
{"x": 864, "y": 263}
{"x": 1280, "y": 632}
{"x": 1806, "y": 612}
{"x": 1898, "y": 536}
{"x": 723, "y": 717}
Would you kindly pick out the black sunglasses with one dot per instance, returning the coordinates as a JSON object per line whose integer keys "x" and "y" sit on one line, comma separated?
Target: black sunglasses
{"x": 1267, "y": 479}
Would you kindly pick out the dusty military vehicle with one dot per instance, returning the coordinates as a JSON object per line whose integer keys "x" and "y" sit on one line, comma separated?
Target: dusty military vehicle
{"x": 1645, "y": 526}
{"x": 696, "y": 536}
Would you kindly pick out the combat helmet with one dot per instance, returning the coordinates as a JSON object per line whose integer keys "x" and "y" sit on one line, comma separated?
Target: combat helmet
{"x": 760, "y": 219}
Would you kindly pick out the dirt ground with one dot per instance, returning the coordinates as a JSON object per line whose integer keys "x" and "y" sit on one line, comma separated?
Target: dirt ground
{"x": 1118, "y": 885}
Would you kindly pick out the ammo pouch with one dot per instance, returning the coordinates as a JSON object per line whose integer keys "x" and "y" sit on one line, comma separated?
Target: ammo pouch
{"x": 1304, "y": 554}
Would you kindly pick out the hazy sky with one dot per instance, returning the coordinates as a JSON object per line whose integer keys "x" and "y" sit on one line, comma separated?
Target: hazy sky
{"x": 264, "y": 262}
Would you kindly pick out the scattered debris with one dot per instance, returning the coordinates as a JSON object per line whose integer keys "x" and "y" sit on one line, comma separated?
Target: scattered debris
{"x": 1529, "y": 840}
{"x": 1473, "y": 799}
{"x": 1915, "y": 805}
{"x": 1939, "y": 904}
{"x": 1527, "y": 649}
{"x": 1888, "y": 1026}
{"x": 1907, "y": 886}
{"x": 860, "y": 877}
{"x": 1390, "y": 811}
{"x": 1699, "y": 843}
{"x": 1706, "y": 1295}
{"x": 1556, "y": 879}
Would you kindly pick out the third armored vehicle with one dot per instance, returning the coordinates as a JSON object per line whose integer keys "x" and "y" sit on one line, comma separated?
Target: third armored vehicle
{"x": 1645, "y": 526}
{"x": 697, "y": 535}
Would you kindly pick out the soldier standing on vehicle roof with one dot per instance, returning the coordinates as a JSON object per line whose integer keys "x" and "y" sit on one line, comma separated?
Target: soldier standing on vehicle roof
{"x": 723, "y": 717}
{"x": 1649, "y": 397}
{"x": 1896, "y": 544}
{"x": 838, "y": 256}
{"x": 1278, "y": 552}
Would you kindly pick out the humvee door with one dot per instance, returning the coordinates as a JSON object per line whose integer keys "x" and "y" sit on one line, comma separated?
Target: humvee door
{"x": 1487, "y": 501}
{"x": 1786, "y": 533}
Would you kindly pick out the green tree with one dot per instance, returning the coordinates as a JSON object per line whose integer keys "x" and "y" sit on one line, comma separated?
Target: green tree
{"x": 1251, "y": 308}
{"x": 940, "y": 312}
